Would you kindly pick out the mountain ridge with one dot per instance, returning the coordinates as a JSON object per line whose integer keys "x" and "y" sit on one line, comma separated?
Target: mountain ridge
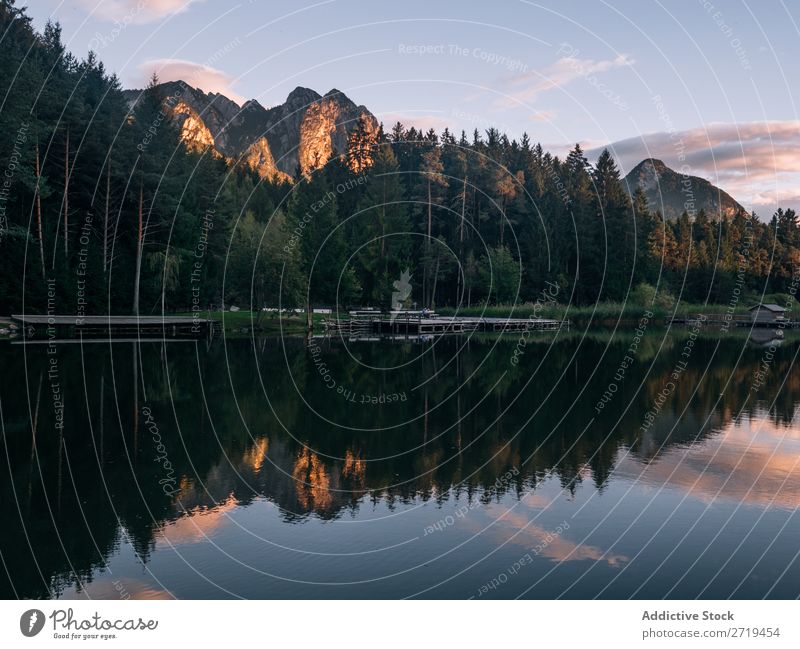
{"x": 672, "y": 193}
{"x": 279, "y": 142}
{"x": 308, "y": 128}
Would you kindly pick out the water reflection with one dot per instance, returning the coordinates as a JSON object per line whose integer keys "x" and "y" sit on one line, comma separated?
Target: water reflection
{"x": 270, "y": 444}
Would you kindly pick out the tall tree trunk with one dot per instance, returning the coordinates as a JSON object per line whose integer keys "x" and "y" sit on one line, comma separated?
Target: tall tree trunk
{"x": 39, "y": 211}
{"x": 435, "y": 280}
{"x": 461, "y": 239}
{"x": 502, "y": 221}
{"x": 66, "y": 195}
{"x": 384, "y": 261}
{"x": 425, "y": 293}
{"x": 138, "y": 254}
{"x": 105, "y": 218}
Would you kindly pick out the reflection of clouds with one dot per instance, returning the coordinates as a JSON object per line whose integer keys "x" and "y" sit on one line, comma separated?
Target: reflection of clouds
{"x": 556, "y": 548}
{"x": 198, "y": 523}
{"x": 722, "y": 466}
{"x": 510, "y": 527}
{"x": 111, "y": 588}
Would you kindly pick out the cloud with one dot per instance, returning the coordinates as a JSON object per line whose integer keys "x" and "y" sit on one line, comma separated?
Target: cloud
{"x": 544, "y": 115}
{"x": 135, "y": 11}
{"x": 758, "y": 163}
{"x": 197, "y": 75}
{"x": 561, "y": 73}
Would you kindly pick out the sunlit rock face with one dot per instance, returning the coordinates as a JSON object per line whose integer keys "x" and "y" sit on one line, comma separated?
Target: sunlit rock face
{"x": 326, "y": 127}
{"x": 258, "y": 157}
{"x": 295, "y": 137}
{"x": 194, "y": 132}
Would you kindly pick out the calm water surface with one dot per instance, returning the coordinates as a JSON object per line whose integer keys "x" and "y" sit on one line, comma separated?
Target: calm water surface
{"x": 449, "y": 468}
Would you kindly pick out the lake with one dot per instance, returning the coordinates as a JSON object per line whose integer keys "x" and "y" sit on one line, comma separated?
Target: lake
{"x": 561, "y": 465}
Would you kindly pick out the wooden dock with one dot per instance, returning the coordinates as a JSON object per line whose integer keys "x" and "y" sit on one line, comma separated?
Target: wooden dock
{"x": 365, "y": 323}
{"x": 111, "y": 326}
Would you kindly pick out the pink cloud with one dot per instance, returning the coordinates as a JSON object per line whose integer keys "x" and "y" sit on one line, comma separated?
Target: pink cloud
{"x": 135, "y": 11}
{"x": 197, "y": 75}
{"x": 561, "y": 73}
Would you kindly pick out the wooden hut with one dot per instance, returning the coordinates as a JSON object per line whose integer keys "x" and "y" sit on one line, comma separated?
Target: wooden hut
{"x": 766, "y": 313}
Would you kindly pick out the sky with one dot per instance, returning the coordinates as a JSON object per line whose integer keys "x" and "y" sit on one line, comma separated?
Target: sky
{"x": 707, "y": 87}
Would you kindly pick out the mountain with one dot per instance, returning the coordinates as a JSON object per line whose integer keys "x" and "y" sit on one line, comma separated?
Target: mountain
{"x": 672, "y": 193}
{"x": 300, "y": 134}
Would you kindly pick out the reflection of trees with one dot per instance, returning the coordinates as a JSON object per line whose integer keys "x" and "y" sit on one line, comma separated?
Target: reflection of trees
{"x": 80, "y": 499}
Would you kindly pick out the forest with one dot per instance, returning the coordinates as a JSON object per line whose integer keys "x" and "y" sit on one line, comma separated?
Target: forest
{"x": 103, "y": 209}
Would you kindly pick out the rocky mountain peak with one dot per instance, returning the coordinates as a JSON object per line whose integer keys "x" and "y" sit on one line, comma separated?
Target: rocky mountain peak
{"x": 300, "y": 97}
{"x": 673, "y": 193}
{"x": 300, "y": 134}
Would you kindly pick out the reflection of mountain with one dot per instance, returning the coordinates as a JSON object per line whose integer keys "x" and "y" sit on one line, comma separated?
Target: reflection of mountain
{"x": 235, "y": 441}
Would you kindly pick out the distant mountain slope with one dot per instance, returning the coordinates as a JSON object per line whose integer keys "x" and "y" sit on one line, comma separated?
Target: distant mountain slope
{"x": 671, "y": 193}
{"x": 302, "y": 133}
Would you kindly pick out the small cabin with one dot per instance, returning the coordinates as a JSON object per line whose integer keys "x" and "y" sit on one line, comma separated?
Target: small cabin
{"x": 767, "y": 313}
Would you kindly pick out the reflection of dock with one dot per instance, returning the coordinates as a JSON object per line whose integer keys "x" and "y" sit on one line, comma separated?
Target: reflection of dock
{"x": 111, "y": 326}
{"x": 723, "y": 320}
{"x": 416, "y": 323}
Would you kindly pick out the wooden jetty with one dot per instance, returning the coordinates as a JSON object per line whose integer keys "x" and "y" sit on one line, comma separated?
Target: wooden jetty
{"x": 111, "y": 326}
{"x": 365, "y": 323}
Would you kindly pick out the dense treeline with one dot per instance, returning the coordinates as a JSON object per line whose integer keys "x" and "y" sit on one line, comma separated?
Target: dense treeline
{"x": 104, "y": 210}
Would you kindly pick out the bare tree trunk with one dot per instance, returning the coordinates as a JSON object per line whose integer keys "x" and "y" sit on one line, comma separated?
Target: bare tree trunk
{"x": 435, "y": 281}
{"x": 384, "y": 261}
{"x": 105, "y": 220}
{"x": 502, "y": 221}
{"x": 39, "y": 211}
{"x": 138, "y": 254}
{"x": 66, "y": 195}
{"x": 461, "y": 239}
{"x": 425, "y": 295}
{"x": 463, "y": 213}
